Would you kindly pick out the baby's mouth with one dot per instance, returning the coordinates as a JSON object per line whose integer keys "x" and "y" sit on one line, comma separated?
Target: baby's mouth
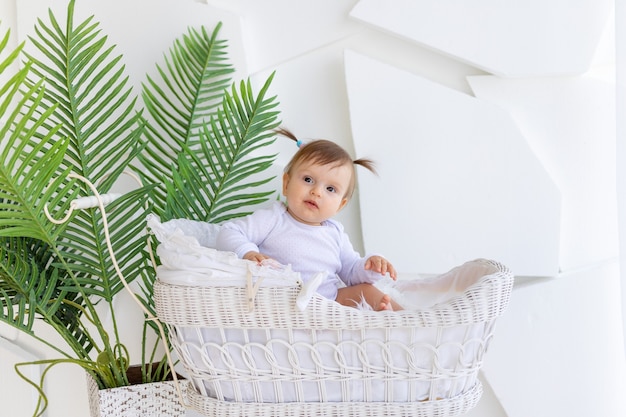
{"x": 311, "y": 203}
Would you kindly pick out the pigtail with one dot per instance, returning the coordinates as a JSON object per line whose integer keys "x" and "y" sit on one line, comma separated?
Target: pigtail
{"x": 286, "y": 133}
{"x": 367, "y": 164}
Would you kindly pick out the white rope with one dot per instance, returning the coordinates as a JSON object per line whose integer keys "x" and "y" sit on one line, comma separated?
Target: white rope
{"x": 99, "y": 200}
{"x": 93, "y": 201}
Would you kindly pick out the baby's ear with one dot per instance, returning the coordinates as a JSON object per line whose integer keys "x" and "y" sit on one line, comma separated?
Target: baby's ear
{"x": 342, "y": 204}
{"x": 285, "y": 182}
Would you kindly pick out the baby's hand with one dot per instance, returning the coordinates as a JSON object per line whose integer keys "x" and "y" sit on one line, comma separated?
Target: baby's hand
{"x": 379, "y": 264}
{"x": 255, "y": 257}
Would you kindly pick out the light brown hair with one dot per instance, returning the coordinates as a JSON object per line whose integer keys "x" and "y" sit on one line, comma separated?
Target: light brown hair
{"x": 325, "y": 152}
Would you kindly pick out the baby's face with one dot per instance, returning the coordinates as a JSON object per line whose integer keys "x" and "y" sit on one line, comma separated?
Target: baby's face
{"x": 316, "y": 192}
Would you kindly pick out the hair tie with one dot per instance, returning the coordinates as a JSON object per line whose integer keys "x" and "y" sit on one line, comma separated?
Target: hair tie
{"x": 299, "y": 143}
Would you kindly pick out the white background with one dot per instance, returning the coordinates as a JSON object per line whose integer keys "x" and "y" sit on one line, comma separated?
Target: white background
{"x": 494, "y": 128}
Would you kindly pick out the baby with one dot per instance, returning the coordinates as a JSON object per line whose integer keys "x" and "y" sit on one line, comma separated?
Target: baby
{"x": 317, "y": 183}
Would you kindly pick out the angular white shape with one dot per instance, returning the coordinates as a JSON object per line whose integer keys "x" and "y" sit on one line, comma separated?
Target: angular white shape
{"x": 561, "y": 339}
{"x": 278, "y": 30}
{"x": 457, "y": 179}
{"x": 520, "y": 38}
{"x": 569, "y": 123}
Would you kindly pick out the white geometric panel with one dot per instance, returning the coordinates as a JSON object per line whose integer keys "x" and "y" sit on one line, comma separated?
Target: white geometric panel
{"x": 457, "y": 178}
{"x": 558, "y": 340}
{"x": 277, "y": 30}
{"x": 506, "y": 38}
{"x": 569, "y": 123}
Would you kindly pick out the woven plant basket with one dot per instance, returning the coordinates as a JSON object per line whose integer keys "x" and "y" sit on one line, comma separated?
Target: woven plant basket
{"x": 157, "y": 399}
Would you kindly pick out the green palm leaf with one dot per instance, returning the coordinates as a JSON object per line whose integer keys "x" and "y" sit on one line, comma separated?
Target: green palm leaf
{"x": 185, "y": 95}
{"x": 76, "y": 116}
{"x": 24, "y": 279}
{"x": 212, "y": 184}
{"x": 31, "y": 288}
{"x": 85, "y": 84}
{"x": 94, "y": 107}
{"x": 27, "y": 181}
{"x": 90, "y": 255}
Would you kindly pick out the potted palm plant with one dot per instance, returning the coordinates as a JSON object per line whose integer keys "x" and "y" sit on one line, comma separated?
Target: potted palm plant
{"x": 69, "y": 120}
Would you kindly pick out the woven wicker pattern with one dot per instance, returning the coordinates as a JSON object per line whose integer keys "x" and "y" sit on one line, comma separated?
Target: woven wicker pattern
{"x": 440, "y": 408}
{"x": 330, "y": 359}
{"x": 159, "y": 399}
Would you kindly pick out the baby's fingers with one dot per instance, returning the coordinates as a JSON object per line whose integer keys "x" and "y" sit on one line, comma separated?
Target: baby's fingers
{"x": 255, "y": 257}
{"x": 380, "y": 265}
{"x": 392, "y": 271}
{"x": 387, "y": 268}
{"x": 372, "y": 264}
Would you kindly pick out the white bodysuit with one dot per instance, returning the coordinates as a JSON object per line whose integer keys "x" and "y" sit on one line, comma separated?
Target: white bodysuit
{"x": 308, "y": 249}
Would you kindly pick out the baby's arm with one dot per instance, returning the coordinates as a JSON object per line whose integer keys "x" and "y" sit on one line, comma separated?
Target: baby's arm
{"x": 243, "y": 235}
{"x": 358, "y": 270}
{"x": 233, "y": 238}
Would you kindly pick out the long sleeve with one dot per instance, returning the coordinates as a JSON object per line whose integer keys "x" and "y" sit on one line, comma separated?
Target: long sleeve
{"x": 353, "y": 265}
{"x": 247, "y": 233}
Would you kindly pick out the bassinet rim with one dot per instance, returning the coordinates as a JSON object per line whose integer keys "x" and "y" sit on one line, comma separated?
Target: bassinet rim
{"x": 483, "y": 301}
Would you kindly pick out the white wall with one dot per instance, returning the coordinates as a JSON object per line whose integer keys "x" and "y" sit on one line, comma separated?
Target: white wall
{"x": 525, "y": 97}
{"x": 620, "y": 65}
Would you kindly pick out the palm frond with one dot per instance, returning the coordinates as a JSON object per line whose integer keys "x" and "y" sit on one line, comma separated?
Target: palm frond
{"x": 91, "y": 105}
{"x": 29, "y": 164}
{"x": 180, "y": 101}
{"x": 89, "y": 258}
{"x": 87, "y": 86}
{"x": 75, "y": 114}
{"x": 31, "y": 287}
{"x": 21, "y": 268}
{"x": 210, "y": 184}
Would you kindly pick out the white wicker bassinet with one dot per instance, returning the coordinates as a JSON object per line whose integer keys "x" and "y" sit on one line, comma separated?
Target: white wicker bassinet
{"x": 248, "y": 350}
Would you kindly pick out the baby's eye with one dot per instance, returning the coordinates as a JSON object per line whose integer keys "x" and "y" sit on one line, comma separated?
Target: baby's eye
{"x": 330, "y": 189}
{"x": 308, "y": 179}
